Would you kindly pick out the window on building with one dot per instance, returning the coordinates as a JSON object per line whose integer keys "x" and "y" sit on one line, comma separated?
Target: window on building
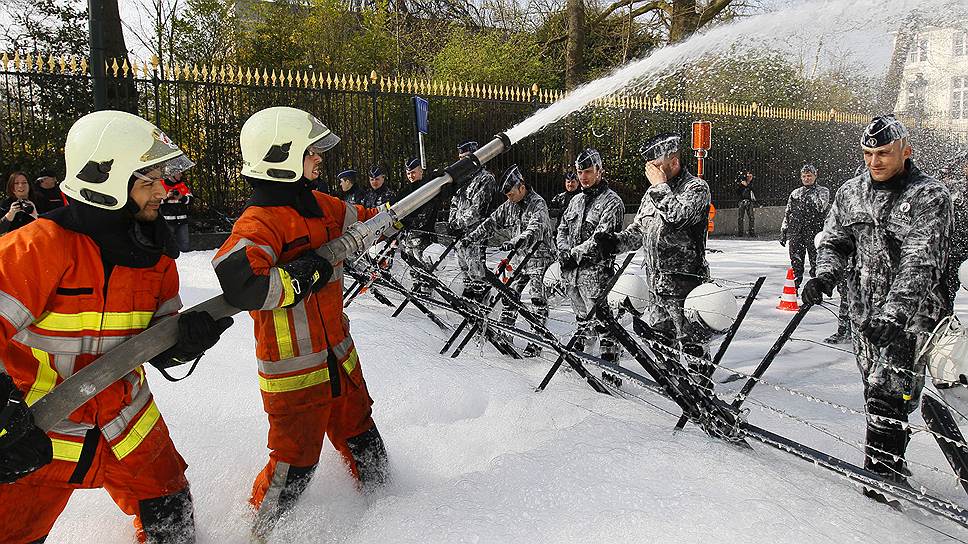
{"x": 960, "y": 44}
{"x": 919, "y": 50}
{"x": 959, "y": 98}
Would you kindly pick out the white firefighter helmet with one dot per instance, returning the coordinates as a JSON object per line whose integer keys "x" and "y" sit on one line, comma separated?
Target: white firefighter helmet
{"x": 712, "y": 306}
{"x": 106, "y": 148}
{"x": 631, "y": 287}
{"x": 275, "y": 140}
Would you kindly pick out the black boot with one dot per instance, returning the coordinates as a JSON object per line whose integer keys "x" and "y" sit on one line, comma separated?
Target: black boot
{"x": 371, "y": 459}
{"x": 169, "y": 519}
{"x": 886, "y": 444}
{"x": 296, "y": 481}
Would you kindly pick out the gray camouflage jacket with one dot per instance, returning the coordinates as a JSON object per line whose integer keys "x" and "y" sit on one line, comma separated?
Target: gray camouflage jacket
{"x": 899, "y": 240}
{"x": 959, "y": 233}
{"x": 671, "y": 227}
{"x": 527, "y": 222}
{"x": 580, "y": 222}
{"x": 471, "y": 202}
{"x": 806, "y": 210}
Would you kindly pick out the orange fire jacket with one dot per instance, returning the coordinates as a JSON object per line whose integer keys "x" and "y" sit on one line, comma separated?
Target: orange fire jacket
{"x": 300, "y": 347}
{"x": 58, "y": 314}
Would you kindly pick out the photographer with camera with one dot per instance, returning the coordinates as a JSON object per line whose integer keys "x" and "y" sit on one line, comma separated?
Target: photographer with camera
{"x": 16, "y": 210}
{"x": 174, "y": 208}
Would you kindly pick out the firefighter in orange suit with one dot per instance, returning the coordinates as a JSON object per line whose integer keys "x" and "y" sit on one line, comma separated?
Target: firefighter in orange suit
{"x": 73, "y": 285}
{"x": 309, "y": 370}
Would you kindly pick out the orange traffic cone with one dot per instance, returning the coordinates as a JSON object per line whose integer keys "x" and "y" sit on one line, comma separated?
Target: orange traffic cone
{"x": 788, "y": 300}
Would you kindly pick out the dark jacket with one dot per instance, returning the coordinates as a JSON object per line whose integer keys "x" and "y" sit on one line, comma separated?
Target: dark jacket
{"x": 47, "y": 199}
{"x": 375, "y": 198}
{"x": 745, "y": 193}
{"x": 806, "y": 209}
{"x": 19, "y": 220}
{"x": 560, "y": 203}
{"x": 353, "y": 196}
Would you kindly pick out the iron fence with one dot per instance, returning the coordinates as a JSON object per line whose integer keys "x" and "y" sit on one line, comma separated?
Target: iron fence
{"x": 203, "y": 108}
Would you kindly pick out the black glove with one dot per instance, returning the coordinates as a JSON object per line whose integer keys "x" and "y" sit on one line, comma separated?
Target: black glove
{"x": 814, "y": 290}
{"x": 881, "y": 330}
{"x": 24, "y": 448}
{"x": 607, "y": 242}
{"x": 567, "y": 261}
{"x": 513, "y": 244}
{"x": 308, "y": 272}
{"x": 197, "y": 332}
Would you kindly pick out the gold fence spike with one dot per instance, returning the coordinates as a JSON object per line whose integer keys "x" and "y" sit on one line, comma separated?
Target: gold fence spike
{"x": 195, "y": 72}
{"x": 16, "y": 61}
{"x": 51, "y": 63}
{"x": 5, "y": 60}
{"x": 125, "y": 68}
{"x": 83, "y": 65}
{"x": 63, "y": 65}
{"x": 28, "y": 63}
{"x": 203, "y": 73}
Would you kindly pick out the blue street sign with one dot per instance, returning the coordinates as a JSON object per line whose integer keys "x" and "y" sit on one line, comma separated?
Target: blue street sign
{"x": 420, "y": 107}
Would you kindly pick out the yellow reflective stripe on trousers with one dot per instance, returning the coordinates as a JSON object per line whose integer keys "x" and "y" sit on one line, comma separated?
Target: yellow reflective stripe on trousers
{"x": 138, "y": 432}
{"x": 302, "y": 381}
{"x": 280, "y": 322}
{"x": 65, "y": 450}
{"x": 45, "y": 380}
{"x": 288, "y": 293}
{"x": 294, "y": 383}
{"x": 94, "y": 321}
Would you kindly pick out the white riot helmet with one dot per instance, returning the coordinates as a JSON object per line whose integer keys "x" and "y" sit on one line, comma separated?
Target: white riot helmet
{"x": 552, "y": 276}
{"x": 711, "y": 306}
{"x": 963, "y": 274}
{"x": 817, "y": 240}
{"x": 275, "y": 140}
{"x": 106, "y": 148}
{"x": 948, "y": 362}
{"x": 633, "y": 288}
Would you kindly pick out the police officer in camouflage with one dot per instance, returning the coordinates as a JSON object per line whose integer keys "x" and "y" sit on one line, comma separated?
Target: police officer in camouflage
{"x": 524, "y": 216}
{"x": 805, "y": 212}
{"x": 419, "y": 231}
{"x": 894, "y": 221}
{"x": 671, "y": 228}
{"x": 560, "y": 202}
{"x": 468, "y": 207}
{"x": 585, "y": 268}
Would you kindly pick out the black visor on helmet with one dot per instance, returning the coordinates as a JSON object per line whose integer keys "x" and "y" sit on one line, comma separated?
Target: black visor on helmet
{"x": 882, "y": 131}
{"x": 512, "y": 177}
{"x": 661, "y": 145}
{"x": 587, "y": 159}
{"x": 469, "y": 146}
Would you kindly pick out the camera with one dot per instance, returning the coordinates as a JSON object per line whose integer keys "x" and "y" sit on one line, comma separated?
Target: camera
{"x": 25, "y": 205}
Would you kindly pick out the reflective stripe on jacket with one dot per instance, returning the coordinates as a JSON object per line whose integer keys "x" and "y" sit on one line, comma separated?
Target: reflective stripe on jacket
{"x": 58, "y": 316}
{"x": 293, "y": 341}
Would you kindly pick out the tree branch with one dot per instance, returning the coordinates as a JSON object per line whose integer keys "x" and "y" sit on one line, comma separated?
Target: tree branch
{"x": 655, "y": 5}
{"x": 712, "y": 11}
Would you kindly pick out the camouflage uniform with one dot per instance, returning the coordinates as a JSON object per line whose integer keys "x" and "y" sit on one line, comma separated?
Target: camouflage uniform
{"x": 469, "y": 205}
{"x": 958, "y": 251}
{"x": 805, "y": 211}
{"x": 529, "y": 226}
{"x": 598, "y": 209}
{"x": 896, "y": 232}
{"x": 418, "y": 231}
{"x": 671, "y": 227}
{"x": 559, "y": 204}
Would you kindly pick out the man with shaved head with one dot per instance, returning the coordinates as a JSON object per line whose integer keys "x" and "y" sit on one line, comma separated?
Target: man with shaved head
{"x": 893, "y": 221}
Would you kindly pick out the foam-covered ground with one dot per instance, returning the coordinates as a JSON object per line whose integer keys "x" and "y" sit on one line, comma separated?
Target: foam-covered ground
{"x": 478, "y": 456}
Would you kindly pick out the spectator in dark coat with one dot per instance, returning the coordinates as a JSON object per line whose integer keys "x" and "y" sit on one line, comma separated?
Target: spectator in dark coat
{"x": 16, "y": 210}
{"x": 46, "y": 194}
